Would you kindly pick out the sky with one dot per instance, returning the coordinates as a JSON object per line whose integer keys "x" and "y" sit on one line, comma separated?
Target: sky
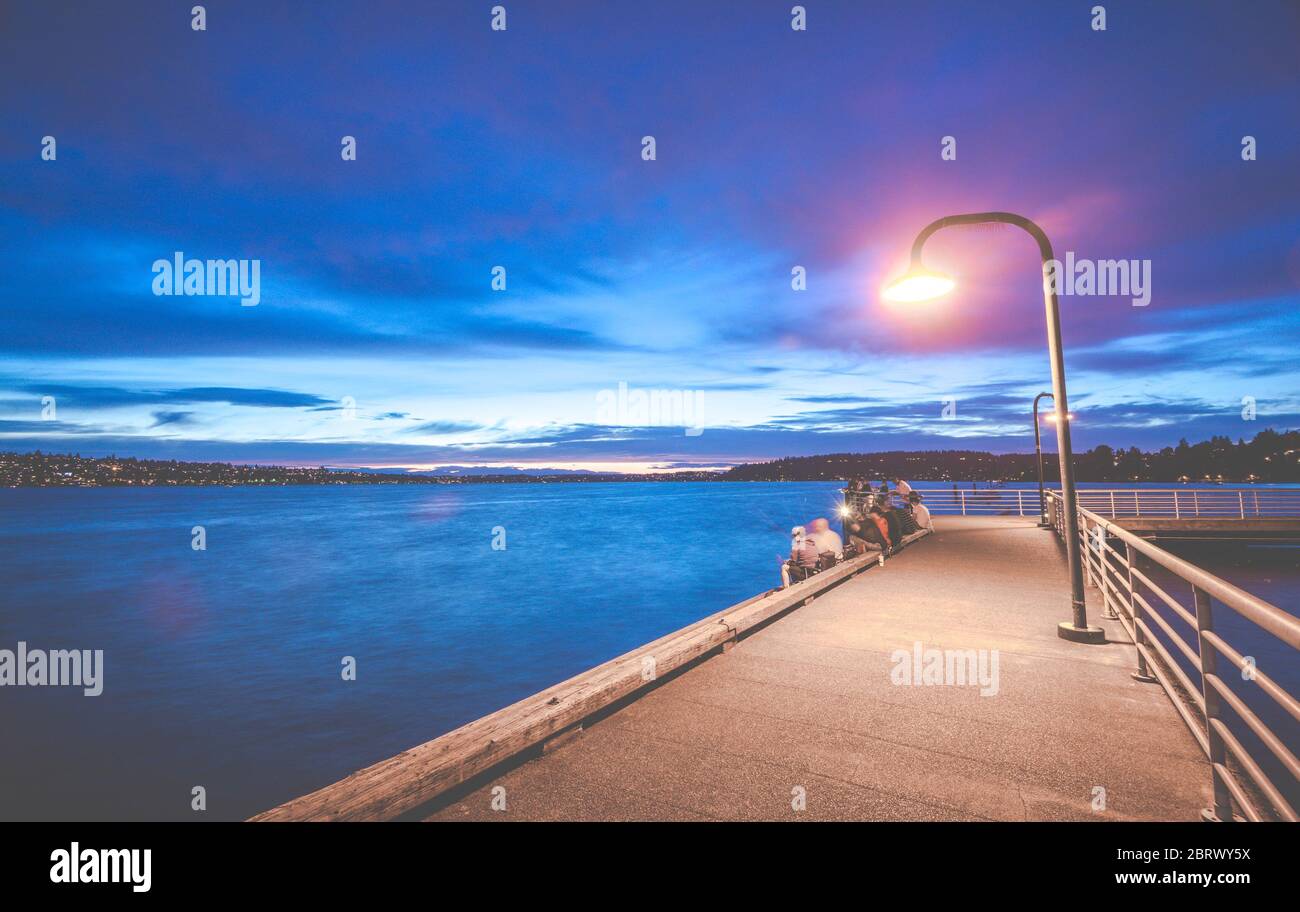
{"x": 379, "y": 339}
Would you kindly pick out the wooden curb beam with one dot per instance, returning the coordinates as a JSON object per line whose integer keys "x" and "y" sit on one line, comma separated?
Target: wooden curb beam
{"x": 417, "y": 776}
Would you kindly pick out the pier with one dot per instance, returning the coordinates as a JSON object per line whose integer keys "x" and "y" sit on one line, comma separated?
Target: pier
{"x": 804, "y": 703}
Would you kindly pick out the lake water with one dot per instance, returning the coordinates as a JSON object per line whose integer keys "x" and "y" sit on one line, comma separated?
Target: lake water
{"x": 223, "y": 665}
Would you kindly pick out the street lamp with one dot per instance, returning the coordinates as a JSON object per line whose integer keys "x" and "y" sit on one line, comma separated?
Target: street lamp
{"x": 1038, "y": 454}
{"x": 920, "y": 284}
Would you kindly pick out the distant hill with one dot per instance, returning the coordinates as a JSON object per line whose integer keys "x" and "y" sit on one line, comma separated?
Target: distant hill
{"x": 1269, "y": 457}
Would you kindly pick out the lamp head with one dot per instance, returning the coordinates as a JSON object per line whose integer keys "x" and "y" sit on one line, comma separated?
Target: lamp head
{"x": 918, "y": 284}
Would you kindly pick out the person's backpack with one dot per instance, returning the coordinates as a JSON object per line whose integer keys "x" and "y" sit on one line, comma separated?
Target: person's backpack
{"x": 826, "y": 560}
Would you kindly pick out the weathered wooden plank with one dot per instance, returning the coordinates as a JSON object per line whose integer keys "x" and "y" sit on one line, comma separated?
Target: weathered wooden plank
{"x": 414, "y": 777}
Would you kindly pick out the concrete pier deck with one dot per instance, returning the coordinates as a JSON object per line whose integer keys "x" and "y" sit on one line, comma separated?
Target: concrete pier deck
{"x": 806, "y": 706}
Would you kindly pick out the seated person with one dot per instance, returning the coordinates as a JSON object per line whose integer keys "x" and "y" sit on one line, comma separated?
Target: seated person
{"x": 895, "y": 524}
{"x": 828, "y": 541}
{"x": 920, "y": 511}
{"x": 864, "y": 536}
{"x": 882, "y": 496}
{"x": 877, "y": 516}
{"x": 803, "y": 558}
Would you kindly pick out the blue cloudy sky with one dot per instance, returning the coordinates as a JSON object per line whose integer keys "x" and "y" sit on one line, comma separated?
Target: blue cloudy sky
{"x": 379, "y": 340}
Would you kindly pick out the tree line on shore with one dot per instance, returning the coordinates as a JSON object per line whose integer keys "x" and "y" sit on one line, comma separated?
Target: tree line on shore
{"x": 1269, "y": 456}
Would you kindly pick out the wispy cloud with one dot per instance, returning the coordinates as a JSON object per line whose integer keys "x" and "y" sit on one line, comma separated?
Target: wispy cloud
{"x": 92, "y": 397}
{"x": 163, "y": 419}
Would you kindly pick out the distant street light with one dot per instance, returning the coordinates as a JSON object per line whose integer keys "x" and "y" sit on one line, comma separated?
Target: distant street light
{"x": 1038, "y": 457}
{"x": 922, "y": 284}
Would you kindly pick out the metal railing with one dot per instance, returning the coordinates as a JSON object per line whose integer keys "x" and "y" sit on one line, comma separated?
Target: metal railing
{"x": 983, "y": 502}
{"x": 1175, "y": 503}
{"x": 1164, "y": 503}
{"x": 1122, "y": 566}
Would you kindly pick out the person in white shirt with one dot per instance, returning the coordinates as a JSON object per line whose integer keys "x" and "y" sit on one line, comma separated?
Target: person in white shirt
{"x": 803, "y": 558}
{"x": 826, "y": 538}
{"x": 920, "y": 512}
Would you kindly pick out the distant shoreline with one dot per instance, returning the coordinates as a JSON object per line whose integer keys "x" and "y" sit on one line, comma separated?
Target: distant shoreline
{"x": 1270, "y": 457}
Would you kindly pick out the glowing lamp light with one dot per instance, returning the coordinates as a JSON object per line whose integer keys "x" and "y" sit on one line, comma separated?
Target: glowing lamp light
{"x": 918, "y": 284}
{"x": 1051, "y": 416}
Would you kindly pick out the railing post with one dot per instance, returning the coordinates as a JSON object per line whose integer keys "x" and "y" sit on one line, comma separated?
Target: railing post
{"x": 1255, "y": 494}
{"x": 1137, "y": 506}
{"x": 1222, "y": 810}
{"x": 1176, "y": 513}
{"x": 1087, "y": 551}
{"x": 1112, "y": 504}
{"x": 1020, "y": 503}
{"x": 1196, "y": 503}
{"x": 1241, "y": 503}
{"x": 1143, "y": 673}
{"x": 1104, "y": 565}
{"x": 962, "y": 492}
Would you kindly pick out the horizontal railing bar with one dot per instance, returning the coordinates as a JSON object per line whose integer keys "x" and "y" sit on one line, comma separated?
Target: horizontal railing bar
{"x": 1195, "y": 725}
{"x": 1257, "y": 775}
{"x": 1193, "y": 691}
{"x": 1266, "y": 683}
{"x": 1256, "y": 724}
{"x": 1120, "y": 569}
{"x": 1193, "y": 655}
{"x": 1239, "y": 795}
{"x": 1120, "y": 594}
{"x": 1168, "y": 599}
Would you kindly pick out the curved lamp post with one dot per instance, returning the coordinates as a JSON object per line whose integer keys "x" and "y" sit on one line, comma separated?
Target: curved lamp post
{"x": 1038, "y": 455}
{"x": 921, "y": 284}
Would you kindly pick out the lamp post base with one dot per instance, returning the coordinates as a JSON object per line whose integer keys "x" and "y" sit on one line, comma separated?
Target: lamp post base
{"x": 1067, "y": 631}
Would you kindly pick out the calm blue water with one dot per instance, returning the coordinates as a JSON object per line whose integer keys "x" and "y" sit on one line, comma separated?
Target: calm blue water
{"x": 223, "y": 666}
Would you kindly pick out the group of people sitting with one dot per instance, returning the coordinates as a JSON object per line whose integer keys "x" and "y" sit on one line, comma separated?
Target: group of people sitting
{"x": 873, "y": 522}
